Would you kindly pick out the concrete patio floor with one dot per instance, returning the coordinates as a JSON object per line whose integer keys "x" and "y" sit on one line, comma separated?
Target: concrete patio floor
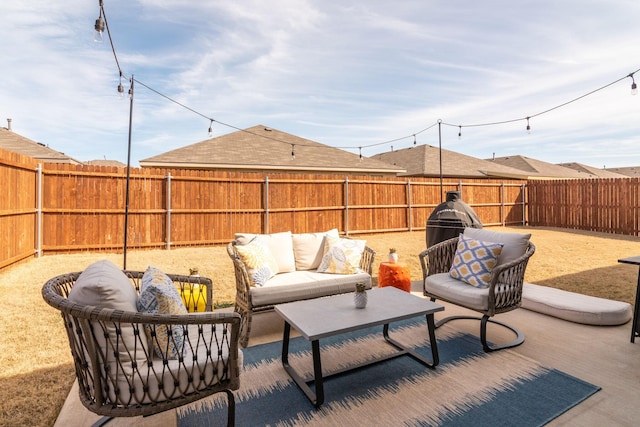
{"x": 601, "y": 355}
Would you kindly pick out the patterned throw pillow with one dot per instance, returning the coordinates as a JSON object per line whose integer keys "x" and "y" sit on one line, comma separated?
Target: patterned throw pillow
{"x": 159, "y": 295}
{"x": 341, "y": 256}
{"x": 474, "y": 261}
{"x": 260, "y": 263}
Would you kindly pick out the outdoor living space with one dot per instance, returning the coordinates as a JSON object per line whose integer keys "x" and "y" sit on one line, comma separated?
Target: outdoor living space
{"x": 37, "y": 386}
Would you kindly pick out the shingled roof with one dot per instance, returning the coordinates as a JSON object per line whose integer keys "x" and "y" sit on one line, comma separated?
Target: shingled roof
{"x": 11, "y": 141}
{"x": 630, "y": 171}
{"x": 539, "y": 169}
{"x": 424, "y": 160}
{"x": 261, "y": 148}
{"x": 596, "y": 172}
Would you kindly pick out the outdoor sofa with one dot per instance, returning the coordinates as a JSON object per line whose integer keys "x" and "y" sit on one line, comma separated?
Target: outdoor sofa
{"x": 283, "y": 267}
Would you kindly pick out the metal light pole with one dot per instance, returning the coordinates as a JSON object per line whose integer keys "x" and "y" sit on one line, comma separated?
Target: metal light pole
{"x": 126, "y": 206}
{"x": 440, "y": 154}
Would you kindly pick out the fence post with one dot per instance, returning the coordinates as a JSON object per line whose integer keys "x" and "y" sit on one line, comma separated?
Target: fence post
{"x": 524, "y": 204}
{"x": 502, "y": 207}
{"x": 39, "y": 210}
{"x": 168, "y": 231}
{"x": 346, "y": 206}
{"x": 409, "y": 212}
{"x": 266, "y": 205}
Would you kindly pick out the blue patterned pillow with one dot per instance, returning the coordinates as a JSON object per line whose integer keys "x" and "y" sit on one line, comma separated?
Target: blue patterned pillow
{"x": 474, "y": 261}
{"x": 159, "y": 295}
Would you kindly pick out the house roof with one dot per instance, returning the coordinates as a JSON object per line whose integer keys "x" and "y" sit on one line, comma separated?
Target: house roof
{"x": 11, "y": 141}
{"x": 539, "y": 169}
{"x": 424, "y": 160}
{"x": 633, "y": 171}
{"x": 597, "y": 172}
{"x": 263, "y": 148}
{"x": 105, "y": 162}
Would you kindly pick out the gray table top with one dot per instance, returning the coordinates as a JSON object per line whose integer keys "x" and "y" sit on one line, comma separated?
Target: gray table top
{"x": 324, "y": 317}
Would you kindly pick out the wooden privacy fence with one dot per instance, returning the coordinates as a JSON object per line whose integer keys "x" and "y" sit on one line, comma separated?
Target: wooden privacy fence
{"x": 604, "y": 205}
{"x": 65, "y": 208}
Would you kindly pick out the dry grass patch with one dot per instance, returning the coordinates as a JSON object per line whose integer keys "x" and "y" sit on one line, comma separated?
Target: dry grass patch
{"x": 37, "y": 367}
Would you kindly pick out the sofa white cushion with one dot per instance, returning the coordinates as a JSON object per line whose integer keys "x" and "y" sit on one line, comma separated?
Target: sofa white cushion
{"x": 306, "y": 284}
{"x": 514, "y": 244}
{"x": 341, "y": 256}
{"x": 280, "y": 245}
{"x": 308, "y": 248}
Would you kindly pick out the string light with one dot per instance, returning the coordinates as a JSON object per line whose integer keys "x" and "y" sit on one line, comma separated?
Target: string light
{"x": 414, "y": 139}
{"x": 120, "y": 87}
{"x": 634, "y": 87}
{"x": 459, "y": 131}
{"x": 528, "y": 127}
{"x": 211, "y": 128}
{"x": 360, "y": 150}
{"x": 293, "y": 153}
{"x": 99, "y": 27}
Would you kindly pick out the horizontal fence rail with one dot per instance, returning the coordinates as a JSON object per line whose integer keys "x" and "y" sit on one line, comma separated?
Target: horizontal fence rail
{"x": 58, "y": 208}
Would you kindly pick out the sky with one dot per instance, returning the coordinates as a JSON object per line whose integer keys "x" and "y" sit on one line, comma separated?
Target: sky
{"x": 364, "y": 76}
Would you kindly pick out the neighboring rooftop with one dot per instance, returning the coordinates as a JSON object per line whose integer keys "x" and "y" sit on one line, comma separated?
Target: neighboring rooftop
{"x": 631, "y": 171}
{"x": 11, "y": 141}
{"x": 596, "y": 172}
{"x": 106, "y": 162}
{"x": 539, "y": 169}
{"x": 424, "y": 160}
{"x": 260, "y": 148}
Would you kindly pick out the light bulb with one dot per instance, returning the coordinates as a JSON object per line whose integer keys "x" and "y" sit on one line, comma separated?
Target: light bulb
{"x": 121, "y": 90}
{"x": 634, "y": 88}
{"x": 99, "y": 27}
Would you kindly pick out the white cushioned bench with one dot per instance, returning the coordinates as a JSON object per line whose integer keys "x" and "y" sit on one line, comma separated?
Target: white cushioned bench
{"x": 575, "y": 307}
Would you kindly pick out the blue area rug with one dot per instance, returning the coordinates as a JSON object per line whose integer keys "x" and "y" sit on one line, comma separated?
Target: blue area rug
{"x": 468, "y": 387}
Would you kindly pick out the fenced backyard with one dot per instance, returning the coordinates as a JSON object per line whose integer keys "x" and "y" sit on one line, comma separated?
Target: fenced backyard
{"x": 57, "y": 208}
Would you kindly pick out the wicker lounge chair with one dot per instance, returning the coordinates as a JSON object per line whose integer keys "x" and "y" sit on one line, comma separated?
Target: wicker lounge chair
{"x": 505, "y": 289}
{"x": 116, "y": 369}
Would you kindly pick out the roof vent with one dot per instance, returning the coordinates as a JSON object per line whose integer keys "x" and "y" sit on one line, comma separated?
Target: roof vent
{"x": 9, "y": 124}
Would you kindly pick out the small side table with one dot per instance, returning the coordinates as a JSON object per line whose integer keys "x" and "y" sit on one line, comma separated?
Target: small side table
{"x": 635, "y": 327}
{"x": 396, "y": 275}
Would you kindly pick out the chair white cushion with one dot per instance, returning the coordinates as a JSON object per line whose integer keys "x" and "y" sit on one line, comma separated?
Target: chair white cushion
{"x": 279, "y": 244}
{"x": 174, "y": 377}
{"x": 447, "y": 288}
{"x": 514, "y": 244}
{"x": 102, "y": 284}
{"x": 306, "y": 284}
{"x": 308, "y": 248}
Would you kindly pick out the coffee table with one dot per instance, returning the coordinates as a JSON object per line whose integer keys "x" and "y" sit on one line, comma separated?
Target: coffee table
{"x": 320, "y": 318}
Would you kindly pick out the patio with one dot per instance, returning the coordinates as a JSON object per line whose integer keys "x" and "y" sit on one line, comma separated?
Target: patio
{"x": 600, "y": 355}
